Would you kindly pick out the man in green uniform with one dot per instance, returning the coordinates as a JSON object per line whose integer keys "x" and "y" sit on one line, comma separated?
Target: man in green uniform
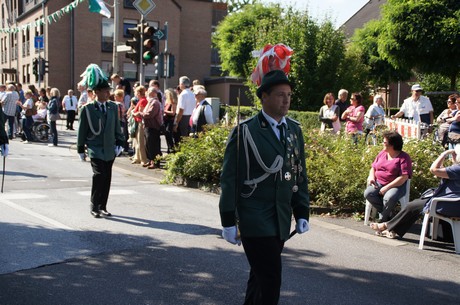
{"x": 263, "y": 183}
{"x": 99, "y": 129}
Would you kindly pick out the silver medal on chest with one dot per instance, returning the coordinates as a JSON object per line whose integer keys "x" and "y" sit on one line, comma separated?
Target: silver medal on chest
{"x": 287, "y": 176}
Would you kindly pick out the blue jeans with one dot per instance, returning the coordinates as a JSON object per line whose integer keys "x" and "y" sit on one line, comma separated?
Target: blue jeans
{"x": 54, "y": 132}
{"x": 384, "y": 204}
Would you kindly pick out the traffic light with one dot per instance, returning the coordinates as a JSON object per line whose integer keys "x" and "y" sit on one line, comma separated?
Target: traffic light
{"x": 160, "y": 65}
{"x": 35, "y": 67}
{"x": 134, "y": 43}
{"x": 43, "y": 66}
{"x": 171, "y": 66}
{"x": 150, "y": 44}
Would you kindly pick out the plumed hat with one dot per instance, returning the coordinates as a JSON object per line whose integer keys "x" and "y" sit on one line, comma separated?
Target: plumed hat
{"x": 94, "y": 78}
{"x": 273, "y": 78}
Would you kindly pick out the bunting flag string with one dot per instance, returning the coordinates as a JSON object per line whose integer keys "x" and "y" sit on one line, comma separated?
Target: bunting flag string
{"x": 54, "y": 17}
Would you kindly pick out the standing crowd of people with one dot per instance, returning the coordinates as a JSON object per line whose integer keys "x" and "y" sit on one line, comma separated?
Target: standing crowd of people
{"x": 24, "y": 108}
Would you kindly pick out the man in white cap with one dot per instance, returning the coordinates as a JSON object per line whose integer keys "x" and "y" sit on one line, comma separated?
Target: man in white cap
{"x": 417, "y": 107}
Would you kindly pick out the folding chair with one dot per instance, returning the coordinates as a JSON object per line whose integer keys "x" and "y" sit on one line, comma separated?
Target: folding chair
{"x": 454, "y": 223}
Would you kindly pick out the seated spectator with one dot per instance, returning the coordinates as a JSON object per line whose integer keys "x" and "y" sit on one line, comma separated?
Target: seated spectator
{"x": 449, "y": 188}
{"x": 453, "y": 134}
{"x": 329, "y": 115}
{"x": 442, "y": 119}
{"x": 41, "y": 112}
{"x": 388, "y": 175}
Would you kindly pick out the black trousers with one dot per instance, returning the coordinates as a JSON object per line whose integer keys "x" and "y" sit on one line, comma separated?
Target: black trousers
{"x": 152, "y": 143}
{"x": 102, "y": 177}
{"x": 264, "y": 257}
{"x": 70, "y": 119}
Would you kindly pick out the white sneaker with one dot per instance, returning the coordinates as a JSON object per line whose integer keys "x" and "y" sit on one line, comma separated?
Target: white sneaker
{"x": 51, "y": 145}
{"x": 26, "y": 142}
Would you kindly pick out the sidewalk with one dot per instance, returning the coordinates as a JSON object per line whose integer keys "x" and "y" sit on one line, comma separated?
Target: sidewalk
{"x": 347, "y": 225}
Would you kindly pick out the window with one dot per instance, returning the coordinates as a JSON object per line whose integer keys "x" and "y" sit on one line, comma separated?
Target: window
{"x": 130, "y": 71}
{"x": 128, "y": 4}
{"x": 106, "y": 66}
{"x": 107, "y": 35}
{"x": 128, "y": 23}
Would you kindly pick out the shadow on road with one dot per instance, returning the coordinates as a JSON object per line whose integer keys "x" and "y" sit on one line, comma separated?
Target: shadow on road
{"x": 151, "y": 272}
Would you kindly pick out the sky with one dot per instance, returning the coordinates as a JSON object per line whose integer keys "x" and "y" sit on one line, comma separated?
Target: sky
{"x": 339, "y": 10}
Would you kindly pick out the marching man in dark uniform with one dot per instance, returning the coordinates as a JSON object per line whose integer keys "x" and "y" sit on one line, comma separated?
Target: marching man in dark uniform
{"x": 99, "y": 129}
{"x": 263, "y": 183}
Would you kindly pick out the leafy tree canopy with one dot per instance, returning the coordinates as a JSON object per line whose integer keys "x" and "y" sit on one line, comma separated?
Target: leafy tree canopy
{"x": 381, "y": 72}
{"x": 319, "y": 64}
{"x": 422, "y": 34}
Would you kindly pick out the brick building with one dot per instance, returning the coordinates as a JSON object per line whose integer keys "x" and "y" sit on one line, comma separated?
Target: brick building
{"x": 395, "y": 93}
{"x": 73, "y": 37}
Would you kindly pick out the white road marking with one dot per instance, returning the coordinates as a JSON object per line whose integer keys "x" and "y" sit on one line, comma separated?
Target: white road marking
{"x": 13, "y": 196}
{"x": 53, "y": 222}
{"x": 112, "y": 192}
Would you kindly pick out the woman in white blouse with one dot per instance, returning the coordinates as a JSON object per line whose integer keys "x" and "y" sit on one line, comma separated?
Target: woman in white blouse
{"x": 329, "y": 115}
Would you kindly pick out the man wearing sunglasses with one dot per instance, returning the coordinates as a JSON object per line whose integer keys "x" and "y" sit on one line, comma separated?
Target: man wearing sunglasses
{"x": 417, "y": 107}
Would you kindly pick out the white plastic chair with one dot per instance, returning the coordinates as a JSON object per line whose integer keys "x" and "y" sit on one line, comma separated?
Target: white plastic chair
{"x": 454, "y": 223}
{"x": 370, "y": 209}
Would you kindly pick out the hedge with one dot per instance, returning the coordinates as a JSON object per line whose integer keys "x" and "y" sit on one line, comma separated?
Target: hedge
{"x": 337, "y": 169}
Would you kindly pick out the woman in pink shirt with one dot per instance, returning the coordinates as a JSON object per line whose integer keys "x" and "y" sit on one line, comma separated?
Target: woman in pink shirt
{"x": 354, "y": 115}
{"x": 388, "y": 175}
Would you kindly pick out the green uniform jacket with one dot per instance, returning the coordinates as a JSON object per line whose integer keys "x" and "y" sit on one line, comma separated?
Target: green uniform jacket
{"x": 268, "y": 210}
{"x": 100, "y": 146}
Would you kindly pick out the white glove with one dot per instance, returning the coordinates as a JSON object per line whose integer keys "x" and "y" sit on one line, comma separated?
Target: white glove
{"x": 5, "y": 150}
{"x": 82, "y": 156}
{"x": 118, "y": 150}
{"x": 230, "y": 235}
{"x": 302, "y": 226}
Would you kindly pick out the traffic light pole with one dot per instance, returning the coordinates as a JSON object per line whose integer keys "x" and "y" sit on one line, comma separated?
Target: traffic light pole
{"x": 165, "y": 80}
{"x": 141, "y": 51}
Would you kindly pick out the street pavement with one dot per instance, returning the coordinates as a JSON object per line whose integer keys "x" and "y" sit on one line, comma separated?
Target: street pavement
{"x": 163, "y": 245}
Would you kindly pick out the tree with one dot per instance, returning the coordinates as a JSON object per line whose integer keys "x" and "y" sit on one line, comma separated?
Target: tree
{"x": 236, "y": 35}
{"x": 422, "y": 34}
{"x": 319, "y": 51}
{"x": 380, "y": 71}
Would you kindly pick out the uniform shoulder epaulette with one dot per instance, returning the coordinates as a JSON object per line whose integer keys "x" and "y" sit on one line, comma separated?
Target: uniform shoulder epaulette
{"x": 247, "y": 120}
{"x": 297, "y": 122}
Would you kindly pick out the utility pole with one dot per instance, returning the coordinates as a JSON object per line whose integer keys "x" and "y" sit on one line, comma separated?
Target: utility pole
{"x": 165, "y": 80}
{"x": 115, "y": 37}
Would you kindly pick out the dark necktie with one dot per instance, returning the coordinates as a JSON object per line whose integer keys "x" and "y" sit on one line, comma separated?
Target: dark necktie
{"x": 282, "y": 132}
{"x": 71, "y": 102}
{"x": 103, "y": 108}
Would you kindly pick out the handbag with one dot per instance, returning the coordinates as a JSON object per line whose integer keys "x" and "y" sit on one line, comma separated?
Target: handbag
{"x": 453, "y": 137}
{"x": 54, "y": 116}
{"x": 132, "y": 126}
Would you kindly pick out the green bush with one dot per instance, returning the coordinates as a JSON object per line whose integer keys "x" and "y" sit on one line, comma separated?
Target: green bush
{"x": 337, "y": 169}
{"x": 199, "y": 159}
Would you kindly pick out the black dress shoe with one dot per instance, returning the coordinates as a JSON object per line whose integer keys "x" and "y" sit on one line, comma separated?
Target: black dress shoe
{"x": 105, "y": 213}
{"x": 95, "y": 214}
